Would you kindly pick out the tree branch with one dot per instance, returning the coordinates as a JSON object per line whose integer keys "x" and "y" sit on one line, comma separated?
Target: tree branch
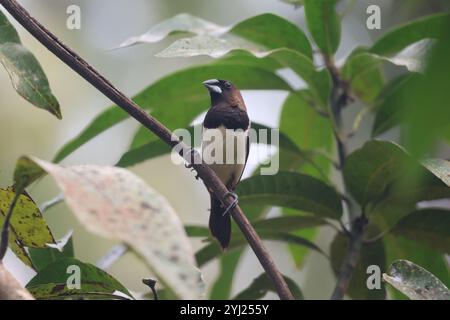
{"x": 211, "y": 181}
{"x": 340, "y": 98}
{"x": 351, "y": 257}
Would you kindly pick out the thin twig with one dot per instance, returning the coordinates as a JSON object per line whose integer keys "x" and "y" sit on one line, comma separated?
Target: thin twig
{"x": 210, "y": 179}
{"x": 112, "y": 256}
{"x": 151, "y": 283}
{"x": 6, "y": 223}
{"x": 340, "y": 97}
{"x": 52, "y": 202}
{"x": 351, "y": 258}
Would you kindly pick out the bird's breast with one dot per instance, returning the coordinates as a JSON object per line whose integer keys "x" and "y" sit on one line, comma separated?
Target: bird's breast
{"x": 225, "y": 151}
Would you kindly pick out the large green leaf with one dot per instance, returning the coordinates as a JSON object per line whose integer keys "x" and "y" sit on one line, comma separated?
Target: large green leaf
{"x": 396, "y": 40}
{"x": 51, "y": 282}
{"x": 291, "y": 190}
{"x": 180, "y": 93}
{"x": 388, "y": 182}
{"x": 256, "y": 35}
{"x": 371, "y": 254}
{"x": 42, "y": 257}
{"x": 7, "y": 32}
{"x": 261, "y": 285}
{"x": 289, "y": 223}
{"x": 398, "y": 247}
{"x": 324, "y": 24}
{"x": 273, "y": 32}
{"x": 27, "y": 77}
{"x": 427, "y": 226}
{"x": 302, "y": 65}
{"x": 309, "y": 131}
{"x": 390, "y": 105}
{"x": 415, "y": 282}
{"x": 371, "y": 171}
{"x": 362, "y": 70}
{"x": 213, "y": 250}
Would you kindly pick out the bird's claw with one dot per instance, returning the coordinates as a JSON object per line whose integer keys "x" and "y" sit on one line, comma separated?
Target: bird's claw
{"x": 233, "y": 204}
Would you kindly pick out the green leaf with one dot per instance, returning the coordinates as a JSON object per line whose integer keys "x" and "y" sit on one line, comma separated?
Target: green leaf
{"x": 51, "y": 282}
{"x": 362, "y": 70}
{"x": 324, "y": 24}
{"x": 440, "y": 168}
{"x": 27, "y": 77}
{"x": 7, "y": 32}
{"x": 222, "y": 286}
{"x": 398, "y": 247}
{"x": 370, "y": 171}
{"x": 427, "y": 226}
{"x": 42, "y": 257}
{"x": 318, "y": 81}
{"x": 114, "y": 203}
{"x": 262, "y": 285}
{"x": 163, "y": 99}
{"x": 181, "y": 23}
{"x": 390, "y": 105}
{"x": 256, "y": 35}
{"x": 309, "y": 131}
{"x": 388, "y": 182}
{"x": 396, "y": 40}
{"x": 291, "y": 190}
{"x": 273, "y": 32}
{"x": 288, "y": 224}
{"x": 415, "y": 282}
{"x": 27, "y": 225}
{"x": 213, "y": 250}
{"x": 371, "y": 254}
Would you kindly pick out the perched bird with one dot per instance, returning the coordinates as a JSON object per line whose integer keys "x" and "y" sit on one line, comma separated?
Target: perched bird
{"x": 225, "y": 148}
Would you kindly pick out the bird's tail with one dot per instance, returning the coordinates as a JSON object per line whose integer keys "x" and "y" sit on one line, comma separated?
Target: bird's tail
{"x": 220, "y": 224}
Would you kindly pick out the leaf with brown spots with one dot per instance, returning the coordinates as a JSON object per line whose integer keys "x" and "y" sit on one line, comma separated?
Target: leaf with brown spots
{"x": 114, "y": 203}
{"x": 28, "y": 226}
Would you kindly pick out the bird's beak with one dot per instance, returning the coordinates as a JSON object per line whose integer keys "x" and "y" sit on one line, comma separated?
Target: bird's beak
{"x": 212, "y": 85}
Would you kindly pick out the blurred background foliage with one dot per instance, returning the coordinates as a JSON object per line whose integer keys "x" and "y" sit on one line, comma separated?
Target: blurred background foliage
{"x": 421, "y": 106}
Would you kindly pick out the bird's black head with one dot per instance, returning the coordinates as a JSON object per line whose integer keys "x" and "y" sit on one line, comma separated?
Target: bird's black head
{"x": 223, "y": 91}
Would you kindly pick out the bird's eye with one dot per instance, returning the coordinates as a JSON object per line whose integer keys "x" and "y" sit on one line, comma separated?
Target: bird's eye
{"x": 227, "y": 85}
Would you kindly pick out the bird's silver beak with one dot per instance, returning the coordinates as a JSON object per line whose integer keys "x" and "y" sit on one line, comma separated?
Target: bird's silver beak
{"x": 212, "y": 85}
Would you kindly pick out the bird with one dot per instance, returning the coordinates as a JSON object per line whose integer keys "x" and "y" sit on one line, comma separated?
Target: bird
{"x": 225, "y": 148}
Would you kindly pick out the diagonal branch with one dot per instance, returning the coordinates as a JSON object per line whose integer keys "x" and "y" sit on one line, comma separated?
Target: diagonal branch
{"x": 211, "y": 181}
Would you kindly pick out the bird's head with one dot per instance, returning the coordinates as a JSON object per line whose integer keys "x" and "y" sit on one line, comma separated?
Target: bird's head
{"x": 224, "y": 92}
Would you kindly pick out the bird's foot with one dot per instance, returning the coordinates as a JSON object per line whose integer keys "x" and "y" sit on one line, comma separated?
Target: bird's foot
{"x": 191, "y": 153}
{"x": 233, "y": 204}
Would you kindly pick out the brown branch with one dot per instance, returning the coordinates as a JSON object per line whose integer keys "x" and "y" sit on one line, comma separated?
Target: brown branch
{"x": 340, "y": 97}
{"x": 351, "y": 257}
{"x": 212, "y": 182}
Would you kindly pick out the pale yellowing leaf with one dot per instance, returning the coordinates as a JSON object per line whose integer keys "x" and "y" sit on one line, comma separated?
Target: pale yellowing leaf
{"x": 114, "y": 203}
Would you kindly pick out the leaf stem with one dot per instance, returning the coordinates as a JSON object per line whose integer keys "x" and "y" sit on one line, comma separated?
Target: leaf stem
{"x": 6, "y": 223}
{"x": 210, "y": 179}
{"x": 340, "y": 97}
